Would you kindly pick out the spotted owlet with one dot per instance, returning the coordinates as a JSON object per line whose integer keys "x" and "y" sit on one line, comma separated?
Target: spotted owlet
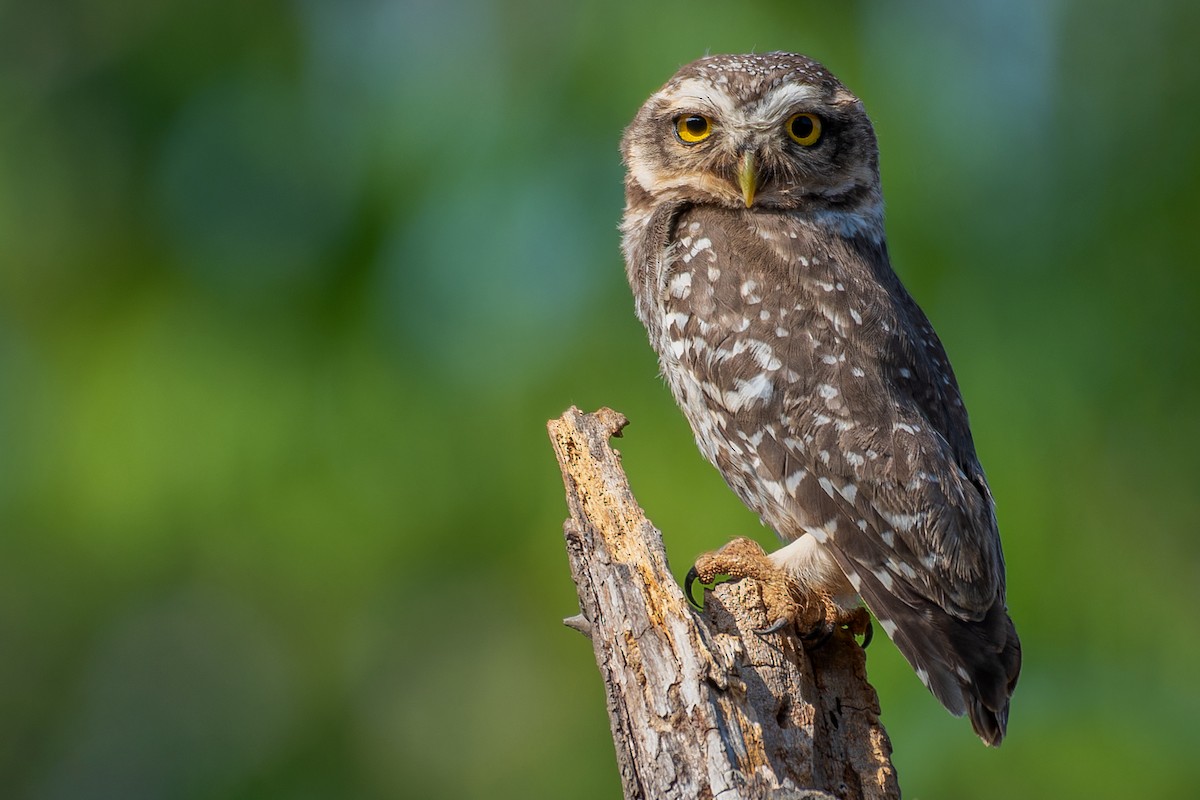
{"x": 754, "y": 242}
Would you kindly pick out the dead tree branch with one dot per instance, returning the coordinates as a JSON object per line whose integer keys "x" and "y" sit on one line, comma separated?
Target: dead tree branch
{"x": 700, "y": 706}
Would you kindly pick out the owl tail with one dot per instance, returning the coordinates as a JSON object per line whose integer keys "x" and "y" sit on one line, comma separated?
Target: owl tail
{"x": 971, "y": 666}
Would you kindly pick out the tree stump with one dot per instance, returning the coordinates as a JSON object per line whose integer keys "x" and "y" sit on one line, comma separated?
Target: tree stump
{"x": 700, "y": 705}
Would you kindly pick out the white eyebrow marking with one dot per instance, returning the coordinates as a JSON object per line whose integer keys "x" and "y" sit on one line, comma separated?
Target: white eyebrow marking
{"x": 694, "y": 94}
{"x": 783, "y": 99}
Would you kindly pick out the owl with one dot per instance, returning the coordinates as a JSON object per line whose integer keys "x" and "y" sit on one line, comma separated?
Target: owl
{"x": 754, "y": 244}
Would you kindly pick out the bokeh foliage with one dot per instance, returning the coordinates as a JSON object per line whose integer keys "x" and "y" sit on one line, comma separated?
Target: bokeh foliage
{"x": 288, "y": 290}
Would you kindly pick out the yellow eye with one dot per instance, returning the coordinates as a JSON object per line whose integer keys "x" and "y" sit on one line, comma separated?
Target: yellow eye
{"x": 693, "y": 128}
{"x": 804, "y": 129}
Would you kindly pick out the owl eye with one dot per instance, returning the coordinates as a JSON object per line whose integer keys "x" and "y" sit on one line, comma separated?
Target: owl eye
{"x": 693, "y": 128}
{"x": 804, "y": 129}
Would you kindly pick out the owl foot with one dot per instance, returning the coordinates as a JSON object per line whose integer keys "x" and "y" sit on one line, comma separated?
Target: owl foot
{"x": 818, "y": 635}
{"x": 815, "y": 615}
{"x": 857, "y": 623}
{"x": 745, "y": 558}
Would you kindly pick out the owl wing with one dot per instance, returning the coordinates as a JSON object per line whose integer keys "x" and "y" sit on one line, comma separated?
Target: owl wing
{"x": 834, "y": 412}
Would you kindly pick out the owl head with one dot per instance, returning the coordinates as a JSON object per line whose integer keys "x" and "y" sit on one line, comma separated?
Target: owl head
{"x": 762, "y": 131}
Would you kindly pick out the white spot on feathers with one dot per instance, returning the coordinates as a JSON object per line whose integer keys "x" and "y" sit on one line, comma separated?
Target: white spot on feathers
{"x": 901, "y": 522}
{"x": 677, "y": 319}
{"x": 856, "y": 582}
{"x": 884, "y": 577}
{"x": 747, "y": 291}
{"x": 681, "y": 285}
{"x": 764, "y": 354}
{"x": 753, "y": 440}
{"x": 748, "y": 393}
{"x": 776, "y": 491}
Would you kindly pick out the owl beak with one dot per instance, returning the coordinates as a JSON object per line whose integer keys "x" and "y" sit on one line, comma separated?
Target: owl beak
{"x": 747, "y": 177}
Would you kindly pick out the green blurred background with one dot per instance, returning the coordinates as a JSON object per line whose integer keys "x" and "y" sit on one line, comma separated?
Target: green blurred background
{"x": 289, "y": 289}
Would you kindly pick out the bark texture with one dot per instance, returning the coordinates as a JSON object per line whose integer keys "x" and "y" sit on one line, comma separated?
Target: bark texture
{"x": 700, "y": 705}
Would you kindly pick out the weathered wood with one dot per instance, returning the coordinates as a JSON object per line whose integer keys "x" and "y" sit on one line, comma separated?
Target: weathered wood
{"x": 700, "y": 705}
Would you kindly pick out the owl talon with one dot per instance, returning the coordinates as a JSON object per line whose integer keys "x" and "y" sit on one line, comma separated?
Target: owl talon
{"x": 858, "y": 623}
{"x": 818, "y": 635}
{"x": 774, "y": 627}
{"x": 688, "y": 580}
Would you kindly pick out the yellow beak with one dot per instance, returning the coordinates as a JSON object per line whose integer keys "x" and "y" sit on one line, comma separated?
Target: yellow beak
{"x": 747, "y": 177}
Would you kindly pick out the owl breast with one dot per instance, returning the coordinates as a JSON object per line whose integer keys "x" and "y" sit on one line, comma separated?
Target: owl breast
{"x": 771, "y": 338}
